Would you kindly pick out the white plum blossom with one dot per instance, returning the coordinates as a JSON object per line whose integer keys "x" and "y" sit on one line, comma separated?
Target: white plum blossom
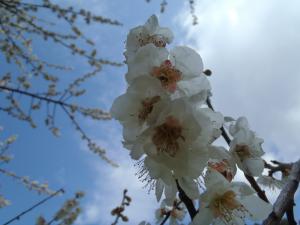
{"x": 229, "y": 202}
{"x": 139, "y": 106}
{"x": 168, "y": 128}
{"x": 246, "y": 148}
{"x": 151, "y": 32}
{"x": 179, "y": 71}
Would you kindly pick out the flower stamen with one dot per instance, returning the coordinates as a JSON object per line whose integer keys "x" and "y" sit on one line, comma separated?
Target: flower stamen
{"x": 167, "y": 135}
{"x": 147, "y": 107}
{"x": 167, "y": 74}
{"x": 157, "y": 40}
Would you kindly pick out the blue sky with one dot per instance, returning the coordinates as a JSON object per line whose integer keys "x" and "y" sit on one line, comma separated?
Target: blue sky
{"x": 252, "y": 47}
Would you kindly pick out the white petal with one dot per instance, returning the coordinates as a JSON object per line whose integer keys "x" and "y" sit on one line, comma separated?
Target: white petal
{"x": 257, "y": 208}
{"x": 123, "y": 106}
{"x": 203, "y": 217}
{"x": 242, "y": 188}
{"x": 159, "y": 188}
{"x": 214, "y": 179}
{"x": 145, "y": 59}
{"x": 190, "y": 187}
{"x": 195, "y": 86}
{"x": 151, "y": 24}
{"x": 136, "y": 152}
{"x": 165, "y": 33}
{"x": 170, "y": 193}
{"x": 253, "y": 167}
{"x": 187, "y": 60}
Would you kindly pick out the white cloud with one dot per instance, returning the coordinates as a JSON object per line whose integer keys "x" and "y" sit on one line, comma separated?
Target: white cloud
{"x": 252, "y": 48}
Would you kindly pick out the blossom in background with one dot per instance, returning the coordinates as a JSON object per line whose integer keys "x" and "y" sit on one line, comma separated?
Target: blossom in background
{"x": 3, "y": 202}
{"x": 246, "y": 148}
{"x": 270, "y": 182}
{"x": 177, "y": 212}
{"x": 229, "y": 202}
{"x": 150, "y": 32}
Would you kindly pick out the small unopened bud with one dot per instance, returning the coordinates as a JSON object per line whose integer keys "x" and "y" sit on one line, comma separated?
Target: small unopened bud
{"x": 207, "y": 72}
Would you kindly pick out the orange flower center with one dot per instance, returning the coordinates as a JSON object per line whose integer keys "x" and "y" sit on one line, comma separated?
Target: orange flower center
{"x": 167, "y": 136}
{"x": 223, "y": 205}
{"x": 147, "y": 107}
{"x": 167, "y": 74}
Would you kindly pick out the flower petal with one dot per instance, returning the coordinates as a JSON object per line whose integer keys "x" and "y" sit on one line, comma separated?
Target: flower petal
{"x": 257, "y": 208}
{"x": 159, "y": 188}
{"x": 190, "y": 187}
{"x": 203, "y": 217}
{"x": 187, "y": 60}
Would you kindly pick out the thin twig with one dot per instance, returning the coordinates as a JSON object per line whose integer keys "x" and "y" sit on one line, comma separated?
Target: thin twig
{"x": 168, "y": 214}
{"x": 17, "y": 217}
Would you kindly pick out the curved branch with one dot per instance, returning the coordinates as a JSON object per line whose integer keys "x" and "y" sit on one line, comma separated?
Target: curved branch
{"x": 286, "y": 196}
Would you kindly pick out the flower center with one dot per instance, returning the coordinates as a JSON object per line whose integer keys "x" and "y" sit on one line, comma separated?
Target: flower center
{"x": 243, "y": 151}
{"x": 157, "y": 40}
{"x": 147, "y": 107}
{"x": 167, "y": 74}
{"x": 223, "y": 205}
{"x": 223, "y": 168}
{"x": 167, "y": 135}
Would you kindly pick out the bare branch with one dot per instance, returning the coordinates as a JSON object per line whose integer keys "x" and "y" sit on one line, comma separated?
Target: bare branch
{"x": 286, "y": 196}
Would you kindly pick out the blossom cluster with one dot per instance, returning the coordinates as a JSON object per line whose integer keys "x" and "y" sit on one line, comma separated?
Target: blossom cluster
{"x": 170, "y": 130}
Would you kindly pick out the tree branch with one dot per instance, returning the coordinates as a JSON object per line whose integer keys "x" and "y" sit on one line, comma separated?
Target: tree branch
{"x": 286, "y": 196}
{"x": 290, "y": 214}
{"x": 17, "y": 217}
{"x": 187, "y": 201}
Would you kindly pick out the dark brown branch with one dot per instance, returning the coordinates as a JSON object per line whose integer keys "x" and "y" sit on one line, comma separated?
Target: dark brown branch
{"x": 286, "y": 196}
{"x": 187, "y": 201}
{"x": 290, "y": 214}
{"x": 50, "y": 100}
{"x": 284, "y": 168}
{"x": 261, "y": 193}
{"x": 250, "y": 179}
{"x": 46, "y": 99}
